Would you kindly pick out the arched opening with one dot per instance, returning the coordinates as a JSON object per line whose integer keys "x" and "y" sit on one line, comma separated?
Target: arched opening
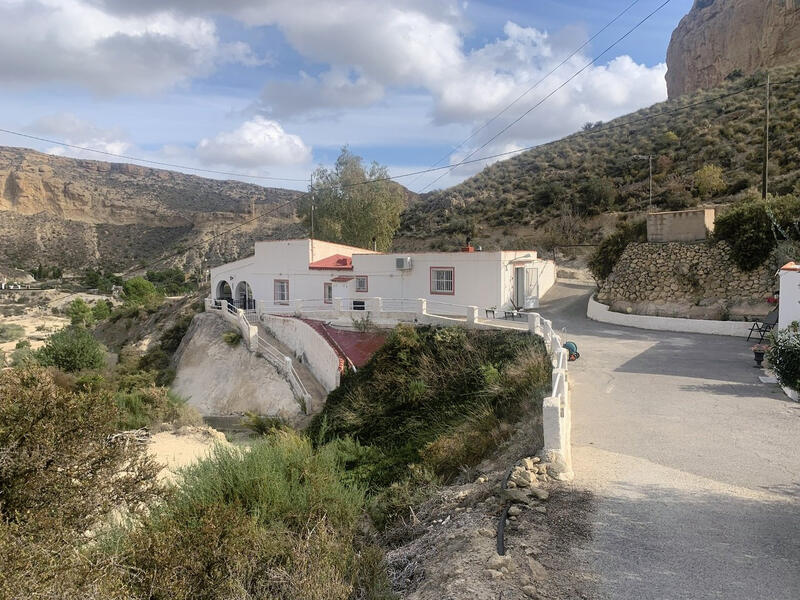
{"x": 224, "y": 291}
{"x": 244, "y": 296}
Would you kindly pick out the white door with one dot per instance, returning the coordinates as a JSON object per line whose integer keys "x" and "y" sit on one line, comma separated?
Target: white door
{"x": 519, "y": 287}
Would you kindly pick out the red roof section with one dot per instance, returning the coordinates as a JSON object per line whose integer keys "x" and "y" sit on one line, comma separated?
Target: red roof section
{"x": 336, "y": 262}
{"x": 791, "y": 266}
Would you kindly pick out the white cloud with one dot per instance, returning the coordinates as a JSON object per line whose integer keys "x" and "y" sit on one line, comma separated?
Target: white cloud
{"x": 75, "y": 42}
{"x": 67, "y": 127}
{"x": 258, "y": 142}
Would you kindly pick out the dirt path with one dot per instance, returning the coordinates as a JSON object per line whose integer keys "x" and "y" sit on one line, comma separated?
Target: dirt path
{"x": 693, "y": 463}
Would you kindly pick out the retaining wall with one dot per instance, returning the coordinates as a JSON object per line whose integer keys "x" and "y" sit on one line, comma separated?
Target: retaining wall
{"x": 601, "y": 312}
{"x": 304, "y": 341}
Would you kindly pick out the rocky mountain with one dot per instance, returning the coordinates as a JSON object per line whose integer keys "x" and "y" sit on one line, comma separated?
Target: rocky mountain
{"x": 723, "y": 37}
{"x": 74, "y": 213}
{"x": 566, "y": 191}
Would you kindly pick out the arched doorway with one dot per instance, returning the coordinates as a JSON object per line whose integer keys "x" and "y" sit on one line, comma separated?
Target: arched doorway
{"x": 224, "y": 291}
{"x": 244, "y": 296}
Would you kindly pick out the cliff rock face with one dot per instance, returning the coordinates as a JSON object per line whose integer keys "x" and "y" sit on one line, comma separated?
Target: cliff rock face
{"x": 75, "y": 213}
{"x": 718, "y": 37}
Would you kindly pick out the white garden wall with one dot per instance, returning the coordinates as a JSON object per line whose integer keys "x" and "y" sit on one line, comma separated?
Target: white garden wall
{"x": 303, "y": 340}
{"x": 600, "y": 312}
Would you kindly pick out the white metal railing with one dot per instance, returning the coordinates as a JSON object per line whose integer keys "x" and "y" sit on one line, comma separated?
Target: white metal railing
{"x": 270, "y": 353}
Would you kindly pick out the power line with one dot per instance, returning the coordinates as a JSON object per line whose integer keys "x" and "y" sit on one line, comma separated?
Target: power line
{"x": 602, "y": 129}
{"x": 146, "y": 160}
{"x": 534, "y": 86}
{"x": 503, "y": 154}
{"x": 560, "y": 87}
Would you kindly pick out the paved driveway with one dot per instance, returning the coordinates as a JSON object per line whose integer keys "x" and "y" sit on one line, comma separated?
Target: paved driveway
{"x": 693, "y": 462}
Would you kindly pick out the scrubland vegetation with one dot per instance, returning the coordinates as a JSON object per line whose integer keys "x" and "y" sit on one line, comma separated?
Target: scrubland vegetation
{"x": 293, "y": 516}
{"x": 547, "y": 196}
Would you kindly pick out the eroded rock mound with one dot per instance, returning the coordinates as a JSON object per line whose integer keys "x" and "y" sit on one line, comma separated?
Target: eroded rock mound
{"x": 720, "y": 37}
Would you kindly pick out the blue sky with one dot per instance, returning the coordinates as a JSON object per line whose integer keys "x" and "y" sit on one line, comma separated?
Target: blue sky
{"x": 276, "y": 87}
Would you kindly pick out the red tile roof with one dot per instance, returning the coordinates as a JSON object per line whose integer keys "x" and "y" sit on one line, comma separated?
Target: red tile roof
{"x": 791, "y": 266}
{"x": 336, "y": 262}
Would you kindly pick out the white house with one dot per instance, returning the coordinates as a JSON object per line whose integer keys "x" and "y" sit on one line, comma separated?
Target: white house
{"x": 282, "y": 271}
{"x": 789, "y": 307}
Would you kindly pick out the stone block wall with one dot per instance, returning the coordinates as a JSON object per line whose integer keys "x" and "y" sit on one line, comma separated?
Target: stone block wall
{"x": 690, "y": 273}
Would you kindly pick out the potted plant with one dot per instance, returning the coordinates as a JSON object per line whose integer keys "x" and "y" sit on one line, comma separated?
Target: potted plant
{"x": 758, "y": 353}
{"x": 784, "y": 358}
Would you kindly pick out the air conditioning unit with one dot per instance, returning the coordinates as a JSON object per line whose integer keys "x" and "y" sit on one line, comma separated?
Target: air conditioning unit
{"x": 403, "y": 264}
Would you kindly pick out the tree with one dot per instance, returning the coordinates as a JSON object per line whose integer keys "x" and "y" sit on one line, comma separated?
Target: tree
{"x": 348, "y": 209}
{"x": 72, "y": 349}
{"x": 708, "y": 181}
{"x": 137, "y": 291}
{"x": 80, "y": 313}
{"x": 102, "y": 310}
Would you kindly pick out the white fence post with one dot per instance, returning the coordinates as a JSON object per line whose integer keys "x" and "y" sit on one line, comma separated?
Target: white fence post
{"x": 533, "y": 322}
{"x": 337, "y": 305}
{"x": 422, "y": 306}
{"x": 472, "y": 315}
{"x": 298, "y": 307}
{"x": 377, "y": 305}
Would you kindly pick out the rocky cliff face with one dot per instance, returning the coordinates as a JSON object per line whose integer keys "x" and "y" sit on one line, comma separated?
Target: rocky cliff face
{"x": 718, "y": 37}
{"x": 74, "y": 213}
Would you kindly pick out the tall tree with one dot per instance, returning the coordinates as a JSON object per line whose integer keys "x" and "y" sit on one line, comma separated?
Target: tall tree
{"x": 353, "y": 204}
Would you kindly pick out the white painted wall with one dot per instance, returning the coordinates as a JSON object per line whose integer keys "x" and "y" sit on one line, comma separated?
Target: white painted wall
{"x": 600, "y": 312}
{"x": 301, "y": 338}
{"x": 789, "y": 307}
{"x": 482, "y": 279}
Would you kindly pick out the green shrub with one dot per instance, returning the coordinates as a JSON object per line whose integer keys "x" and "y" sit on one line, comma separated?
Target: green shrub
{"x": 172, "y": 337}
{"x": 708, "y": 180}
{"x": 53, "y": 438}
{"x": 753, "y": 228}
{"x": 276, "y": 521}
{"x": 137, "y": 292}
{"x": 10, "y": 332}
{"x": 171, "y": 282}
{"x": 147, "y": 407}
{"x": 72, "y": 349}
{"x": 419, "y": 396}
{"x": 232, "y": 338}
{"x": 101, "y": 310}
{"x": 784, "y": 355}
{"x": 80, "y": 313}
{"x": 602, "y": 261}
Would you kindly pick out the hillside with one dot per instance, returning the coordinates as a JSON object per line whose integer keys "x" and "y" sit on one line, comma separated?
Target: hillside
{"x": 73, "y": 213}
{"x": 562, "y": 192}
{"x": 719, "y": 37}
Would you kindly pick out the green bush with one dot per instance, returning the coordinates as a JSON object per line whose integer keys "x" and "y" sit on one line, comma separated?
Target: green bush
{"x": 10, "y": 332}
{"x": 602, "y": 261}
{"x": 753, "y": 228}
{"x": 147, "y": 407}
{"x": 72, "y": 349}
{"x": 419, "y": 397}
{"x": 232, "y": 338}
{"x": 171, "y": 282}
{"x": 172, "y": 337}
{"x": 784, "y": 355}
{"x": 102, "y": 310}
{"x": 137, "y": 291}
{"x": 276, "y": 521}
{"x": 80, "y": 313}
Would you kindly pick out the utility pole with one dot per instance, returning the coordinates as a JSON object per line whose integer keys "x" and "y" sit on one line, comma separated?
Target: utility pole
{"x": 649, "y": 158}
{"x": 765, "y": 174}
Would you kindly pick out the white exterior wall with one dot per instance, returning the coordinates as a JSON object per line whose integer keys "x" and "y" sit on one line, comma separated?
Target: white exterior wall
{"x": 482, "y": 279}
{"x": 789, "y": 307}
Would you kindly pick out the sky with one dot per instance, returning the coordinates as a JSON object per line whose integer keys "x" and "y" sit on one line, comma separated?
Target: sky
{"x": 275, "y": 88}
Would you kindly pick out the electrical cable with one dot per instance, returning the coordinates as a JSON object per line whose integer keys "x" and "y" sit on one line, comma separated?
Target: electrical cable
{"x": 560, "y": 87}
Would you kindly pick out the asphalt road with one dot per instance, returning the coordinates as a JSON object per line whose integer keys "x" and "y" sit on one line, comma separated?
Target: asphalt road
{"x": 694, "y": 464}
